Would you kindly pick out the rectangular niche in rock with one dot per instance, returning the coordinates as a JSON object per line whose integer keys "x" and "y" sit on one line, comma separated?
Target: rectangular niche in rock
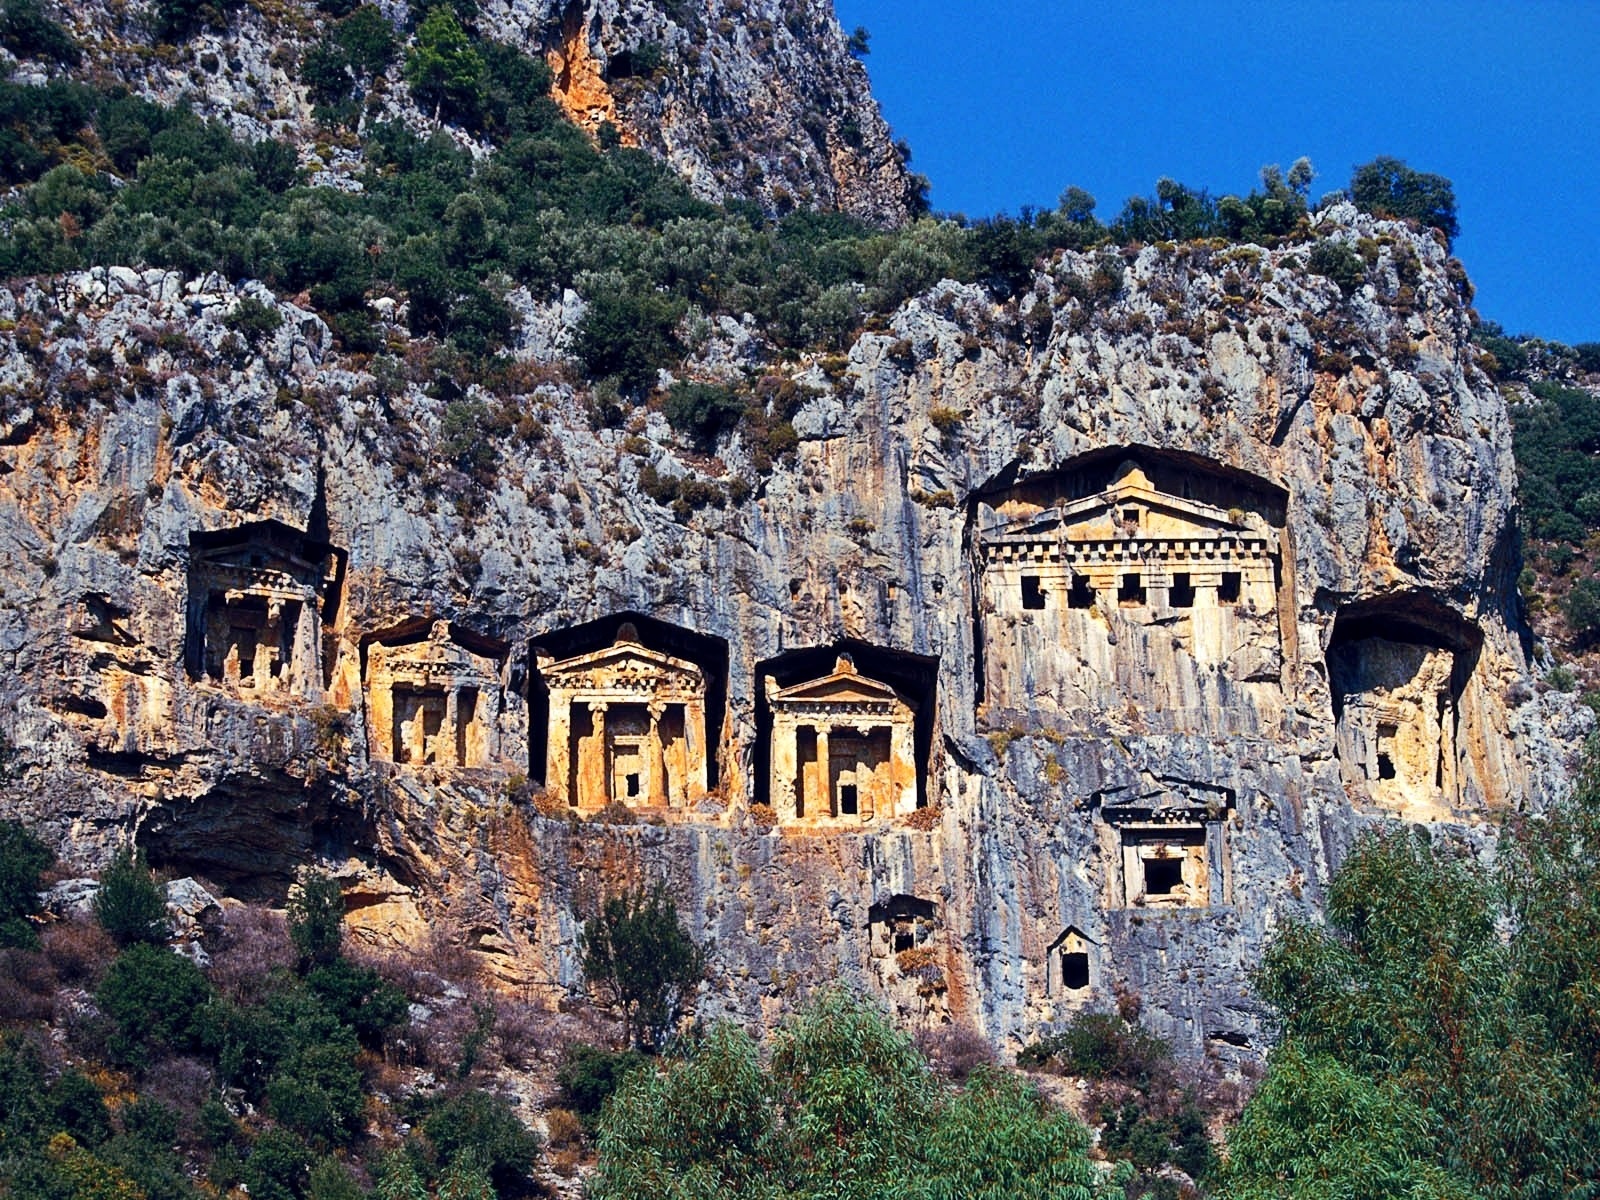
{"x": 434, "y": 695}
{"x": 1170, "y": 844}
{"x": 1069, "y": 964}
{"x": 259, "y": 598}
{"x": 627, "y": 725}
{"x": 842, "y": 749}
{"x": 1407, "y": 705}
{"x": 1130, "y": 574}
{"x": 901, "y": 923}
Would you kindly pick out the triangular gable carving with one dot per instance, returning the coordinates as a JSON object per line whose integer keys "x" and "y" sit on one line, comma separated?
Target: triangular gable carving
{"x": 267, "y": 546}
{"x": 844, "y": 686}
{"x": 1070, "y": 932}
{"x": 1098, "y": 515}
{"x": 444, "y": 649}
{"x": 625, "y": 666}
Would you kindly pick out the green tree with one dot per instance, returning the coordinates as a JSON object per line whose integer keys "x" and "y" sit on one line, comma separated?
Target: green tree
{"x": 1317, "y": 1130}
{"x": 1451, "y": 1008}
{"x": 22, "y": 858}
{"x": 1387, "y": 187}
{"x": 316, "y": 920}
{"x": 443, "y": 69}
{"x": 28, "y": 31}
{"x": 130, "y": 905}
{"x": 156, "y": 998}
{"x": 847, "y": 1110}
{"x": 637, "y": 952}
{"x": 480, "y": 1132}
{"x": 629, "y": 334}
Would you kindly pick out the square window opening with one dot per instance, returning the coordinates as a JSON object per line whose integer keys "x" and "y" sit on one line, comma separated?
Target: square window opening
{"x": 848, "y": 802}
{"x": 1163, "y": 876}
{"x": 1074, "y": 970}
{"x": 1181, "y": 593}
{"x": 1032, "y": 593}
{"x": 1131, "y": 590}
{"x": 1228, "y": 589}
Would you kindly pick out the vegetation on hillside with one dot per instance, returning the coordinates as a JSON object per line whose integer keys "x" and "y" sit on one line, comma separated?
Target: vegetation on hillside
{"x": 1554, "y": 394}
{"x": 843, "y": 1108}
{"x": 109, "y": 178}
{"x": 1441, "y": 1033}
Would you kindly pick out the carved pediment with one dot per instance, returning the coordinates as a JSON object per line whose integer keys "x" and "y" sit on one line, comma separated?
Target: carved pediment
{"x": 845, "y": 686}
{"x": 266, "y": 554}
{"x": 1107, "y": 514}
{"x": 443, "y": 651}
{"x": 627, "y": 667}
{"x": 1164, "y": 802}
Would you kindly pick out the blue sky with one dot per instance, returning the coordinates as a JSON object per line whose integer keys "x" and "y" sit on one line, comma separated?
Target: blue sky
{"x": 1007, "y": 104}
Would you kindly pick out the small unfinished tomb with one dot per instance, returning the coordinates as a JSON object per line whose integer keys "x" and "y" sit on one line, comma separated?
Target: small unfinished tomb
{"x": 842, "y": 749}
{"x": 434, "y": 695}
{"x": 260, "y": 596}
{"x": 1407, "y": 708}
{"x": 626, "y": 724}
{"x": 1168, "y": 843}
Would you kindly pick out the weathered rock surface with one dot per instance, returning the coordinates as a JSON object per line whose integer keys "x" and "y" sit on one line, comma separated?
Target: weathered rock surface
{"x": 1368, "y": 459}
{"x": 753, "y": 99}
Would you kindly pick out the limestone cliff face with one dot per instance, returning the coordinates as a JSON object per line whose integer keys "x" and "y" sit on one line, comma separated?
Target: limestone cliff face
{"x": 755, "y": 99}
{"x": 1186, "y": 578}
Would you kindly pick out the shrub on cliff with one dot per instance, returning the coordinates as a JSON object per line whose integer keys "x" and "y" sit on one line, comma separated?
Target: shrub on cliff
{"x": 637, "y": 952}
{"x": 28, "y": 31}
{"x": 628, "y": 335}
{"x": 1336, "y": 261}
{"x": 130, "y": 905}
{"x": 1386, "y": 187}
{"x": 443, "y": 68}
{"x": 22, "y": 858}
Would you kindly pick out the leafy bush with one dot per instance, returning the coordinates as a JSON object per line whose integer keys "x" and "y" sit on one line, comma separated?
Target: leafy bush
{"x": 1101, "y": 1046}
{"x": 177, "y": 20}
{"x": 360, "y": 998}
{"x": 254, "y": 319}
{"x": 1581, "y": 607}
{"x": 316, "y": 920}
{"x": 130, "y": 905}
{"x": 22, "y": 858}
{"x": 589, "y": 1076}
{"x": 628, "y": 335}
{"x": 444, "y": 70}
{"x": 1387, "y": 187}
{"x": 478, "y": 1128}
{"x": 703, "y": 410}
{"x": 848, "y": 1110}
{"x": 1336, "y": 261}
{"x": 156, "y": 998}
{"x": 639, "y": 954}
{"x": 28, "y": 31}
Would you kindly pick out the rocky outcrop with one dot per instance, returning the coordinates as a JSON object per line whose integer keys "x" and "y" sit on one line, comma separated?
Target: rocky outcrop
{"x": 752, "y": 99}
{"x": 1269, "y": 529}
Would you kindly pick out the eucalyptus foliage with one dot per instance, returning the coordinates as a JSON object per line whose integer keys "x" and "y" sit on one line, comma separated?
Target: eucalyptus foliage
{"x": 846, "y": 1109}
{"x": 1442, "y": 1030}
